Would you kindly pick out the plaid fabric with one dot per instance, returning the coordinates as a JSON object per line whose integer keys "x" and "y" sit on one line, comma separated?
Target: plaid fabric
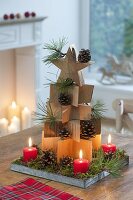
{"x": 32, "y": 189}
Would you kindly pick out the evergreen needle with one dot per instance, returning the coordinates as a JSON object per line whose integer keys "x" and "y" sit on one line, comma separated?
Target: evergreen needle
{"x": 98, "y": 108}
{"x": 55, "y": 50}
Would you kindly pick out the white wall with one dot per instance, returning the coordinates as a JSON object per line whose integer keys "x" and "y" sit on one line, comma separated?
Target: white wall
{"x": 63, "y": 20}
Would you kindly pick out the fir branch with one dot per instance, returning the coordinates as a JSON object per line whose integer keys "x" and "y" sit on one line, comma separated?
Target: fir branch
{"x": 98, "y": 108}
{"x": 46, "y": 114}
{"x": 113, "y": 166}
{"x": 55, "y": 50}
{"x": 64, "y": 85}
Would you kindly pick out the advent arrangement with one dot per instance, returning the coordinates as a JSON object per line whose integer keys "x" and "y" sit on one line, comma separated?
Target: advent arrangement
{"x": 71, "y": 151}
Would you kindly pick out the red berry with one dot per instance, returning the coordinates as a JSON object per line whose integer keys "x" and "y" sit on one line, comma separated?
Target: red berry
{"x": 5, "y": 17}
{"x": 27, "y": 14}
{"x": 12, "y": 16}
{"x": 33, "y": 14}
{"x": 18, "y": 15}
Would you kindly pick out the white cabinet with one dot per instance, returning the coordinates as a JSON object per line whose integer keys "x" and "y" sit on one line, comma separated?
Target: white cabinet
{"x": 20, "y": 57}
{"x": 9, "y": 36}
{"x": 20, "y": 33}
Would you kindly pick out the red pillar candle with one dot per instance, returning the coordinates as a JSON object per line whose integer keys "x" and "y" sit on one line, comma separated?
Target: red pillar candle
{"x": 29, "y": 153}
{"x": 109, "y": 148}
{"x": 81, "y": 165}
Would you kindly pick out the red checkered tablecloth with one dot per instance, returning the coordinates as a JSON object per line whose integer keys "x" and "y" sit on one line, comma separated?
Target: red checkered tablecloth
{"x": 32, "y": 189}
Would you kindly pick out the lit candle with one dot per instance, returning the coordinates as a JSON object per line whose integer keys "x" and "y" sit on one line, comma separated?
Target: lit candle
{"x": 26, "y": 118}
{"x": 81, "y": 165}
{"x": 3, "y": 126}
{"x": 109, "y": 147}
{"x": 12, "y": 128}
{"x": 16, "y": 121}
{"x": 13, "y": 110}
{"x": 29, "y": 153}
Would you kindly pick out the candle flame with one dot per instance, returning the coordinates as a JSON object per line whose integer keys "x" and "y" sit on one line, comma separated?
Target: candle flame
{"x": 14, "y": 105}
{"x": 109, "y": 139}
{"x": 15, "y": 117}
{"x": 80, "y": 154}
{"x": 30, "y": 142}
{"x": 26, "y": 108}
{"x": 3, "y": 120}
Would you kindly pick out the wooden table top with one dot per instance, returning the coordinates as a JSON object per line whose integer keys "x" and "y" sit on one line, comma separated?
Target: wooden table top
{"x": 107, "y": 189}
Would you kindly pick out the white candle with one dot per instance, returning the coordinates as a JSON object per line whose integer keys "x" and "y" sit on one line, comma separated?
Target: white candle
{"x": 3, "y": 126}
{"x": 13, "y": 110}
{"x": 12, "y": 128}
{"x": 16, "y": 121}
{"x": 26, "y": 118}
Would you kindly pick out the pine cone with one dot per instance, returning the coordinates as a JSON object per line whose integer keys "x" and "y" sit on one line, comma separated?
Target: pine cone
{"x": 48, "y": 159}
{"x": 64, "y": 99}
{"x": 84, "y": 56}
{"x": 87, "y": 129}
{"x": 64, "y": 133}
{"x": 66, "y": 161}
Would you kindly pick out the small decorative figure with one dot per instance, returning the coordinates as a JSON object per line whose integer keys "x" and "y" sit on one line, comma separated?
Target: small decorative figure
{"x": 109, "y": 75}
{"x": 124, "y": 67}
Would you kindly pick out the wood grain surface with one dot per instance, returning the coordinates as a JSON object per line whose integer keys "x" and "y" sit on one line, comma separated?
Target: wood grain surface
{"x": 108, "y": 189}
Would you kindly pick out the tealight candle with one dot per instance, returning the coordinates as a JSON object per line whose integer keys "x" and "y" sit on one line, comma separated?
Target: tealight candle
{"x": 29, "y": 153}
{"x": 12, "y": 128}
{"x": 81, "y": 165}
{"x": 109, "y": 147}
{"x": 3, "y": 126}
{"x": 13, "y": 110}
{"x": 26, "y": 118}
{"x": 16, "y": 121}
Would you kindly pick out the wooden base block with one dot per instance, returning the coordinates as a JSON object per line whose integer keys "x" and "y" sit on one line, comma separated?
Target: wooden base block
{"x": 96, "y": 142}
{"x": 64, "y": 148}
{"x": 49, "y": 142}
{"x": 85, "y": 146}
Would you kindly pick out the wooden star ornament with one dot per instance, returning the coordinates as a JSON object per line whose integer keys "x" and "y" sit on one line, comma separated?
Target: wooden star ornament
{"x": 70, "y": 67}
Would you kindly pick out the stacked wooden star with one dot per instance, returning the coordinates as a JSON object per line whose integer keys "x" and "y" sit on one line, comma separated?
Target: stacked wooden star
{"x": 70, "y": 116}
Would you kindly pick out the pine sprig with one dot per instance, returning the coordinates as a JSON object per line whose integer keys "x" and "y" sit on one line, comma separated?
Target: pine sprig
{"x": 46, "y": 114}
{"x": 55, "y": 50}
{"x": 64, "y": 85}
{"x": 98, "y": 108}
{"x": 113, "y": 166}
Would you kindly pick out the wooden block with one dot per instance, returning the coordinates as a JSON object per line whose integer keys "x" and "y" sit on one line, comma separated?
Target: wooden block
{"x": 85, "y": 146}
{"x": 54, "y": 94}
{"x": 81, "y": 78}
{"x": 52, "y": 132}
{"x": 84, "y": 112}
{"x": 74, "y": 127}
{"x": 75, "y": 94}
{"x": 96, "y": 142}
{"x": 85, "y": 93}
{"x": 49, "y": 143}
{"x": 74, "y": 113}
{"x": 57, "y": 110}
{"x": 66, "y": 111}
{"x": 64, "y": 148}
